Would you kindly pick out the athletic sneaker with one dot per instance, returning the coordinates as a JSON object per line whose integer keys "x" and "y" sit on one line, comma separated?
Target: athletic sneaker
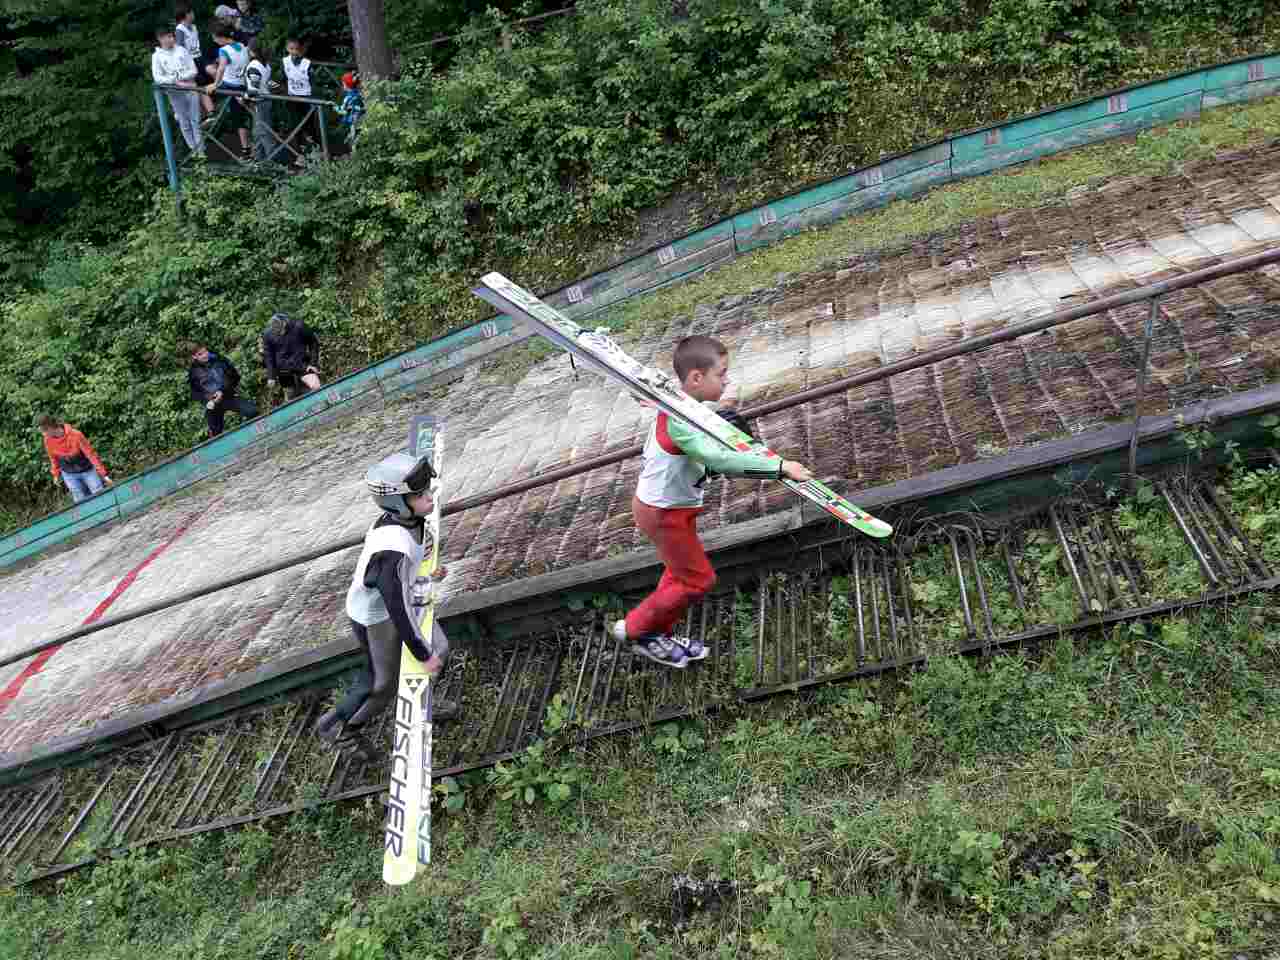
{"x": 329, "y": 727}
{"x": 334, "y": 732}
{"x": 355, "y": 740}
{"x": 656, "y": 647}
{"x": 693, "y": 649}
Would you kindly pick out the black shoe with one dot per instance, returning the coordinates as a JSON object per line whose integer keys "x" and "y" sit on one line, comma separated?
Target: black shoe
{"x": 355, "y": 741}
{"x": 329, "y": 727}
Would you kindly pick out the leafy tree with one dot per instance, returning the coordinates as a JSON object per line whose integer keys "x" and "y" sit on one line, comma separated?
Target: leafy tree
{"x": 75, "y": 123}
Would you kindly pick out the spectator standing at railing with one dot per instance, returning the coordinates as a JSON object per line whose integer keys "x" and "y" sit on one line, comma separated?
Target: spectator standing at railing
{"x": 258, "y": 79}
{"x": 214, "y": 380}
{"x": 228, "y": 13}
{"x": 72, "y": 458}
{"x": 297, "y": 71}
{"x": 229, "y": 16}
{"x": 172, "y": 65}
{"x": 233, "y": 61}
{"x": 351, "y": 107}
{"x": 291, "y": 354}
{"x": 250, "y": 23}
{"x": 189, "y": 39}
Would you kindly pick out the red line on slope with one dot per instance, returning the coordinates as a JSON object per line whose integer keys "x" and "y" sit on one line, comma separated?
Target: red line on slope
{"x": 10, "y": 693}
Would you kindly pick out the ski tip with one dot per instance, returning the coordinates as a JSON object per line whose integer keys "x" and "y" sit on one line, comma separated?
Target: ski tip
{"x": 878, "y": 529}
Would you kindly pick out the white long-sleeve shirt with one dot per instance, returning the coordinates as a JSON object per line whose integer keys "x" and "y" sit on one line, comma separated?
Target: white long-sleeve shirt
{"x": 172, "y": 65}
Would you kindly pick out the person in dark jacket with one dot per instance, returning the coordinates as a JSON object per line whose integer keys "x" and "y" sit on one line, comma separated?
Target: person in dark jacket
{"x": 290, "y": 352}
{"x": 213, "y": 382}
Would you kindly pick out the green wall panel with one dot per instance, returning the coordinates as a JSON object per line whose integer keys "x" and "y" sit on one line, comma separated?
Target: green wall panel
{"x": 1240, "y": 82}
{"x": 99, "y": 509}
{"x": 990, "y": 150}
{"x": 647, "y": 270}
{"x": 864, "y": 190}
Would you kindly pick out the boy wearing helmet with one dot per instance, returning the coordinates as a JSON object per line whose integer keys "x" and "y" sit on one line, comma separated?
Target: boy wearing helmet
{"x": 380, "y": 602}
{"x": 351, "y": 107}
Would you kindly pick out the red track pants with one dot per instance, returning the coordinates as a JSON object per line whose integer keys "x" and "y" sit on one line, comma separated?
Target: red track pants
{"x": 688, "y": 575}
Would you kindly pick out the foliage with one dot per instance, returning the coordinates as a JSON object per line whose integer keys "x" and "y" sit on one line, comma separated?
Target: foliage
{"x": 677, "y": 741}
{"x": 515, "y": 161}
{"x": 1255, "y": 494}
{"x": 542, "y": 771}
{"x": 1149, "y": 832}
{"x": 1000, "y": 707}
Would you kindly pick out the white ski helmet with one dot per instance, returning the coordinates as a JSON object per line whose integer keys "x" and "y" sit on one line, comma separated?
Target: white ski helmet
{"x": 392, "y": 477}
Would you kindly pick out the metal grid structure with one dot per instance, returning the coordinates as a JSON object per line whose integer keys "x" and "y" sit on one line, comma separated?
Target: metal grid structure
{"x": 845, "y": 610}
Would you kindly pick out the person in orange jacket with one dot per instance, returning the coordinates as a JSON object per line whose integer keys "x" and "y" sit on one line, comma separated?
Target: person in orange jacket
{"x": 72, "y": 458}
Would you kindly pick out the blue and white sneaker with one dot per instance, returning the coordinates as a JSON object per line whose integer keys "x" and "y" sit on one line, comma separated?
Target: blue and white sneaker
{"x": 693, "y": 649}
{"x": 653, "y": 646}
{"x": 661, "y": 650}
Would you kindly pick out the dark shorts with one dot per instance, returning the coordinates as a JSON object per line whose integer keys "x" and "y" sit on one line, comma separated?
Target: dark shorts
{"x": 237, "y": 113}
{"x": 291, "y": 380}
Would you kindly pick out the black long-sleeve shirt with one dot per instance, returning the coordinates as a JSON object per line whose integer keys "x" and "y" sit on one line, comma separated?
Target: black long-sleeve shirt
{"x": 291, "y": 352}
{"x": 206, "y": 379}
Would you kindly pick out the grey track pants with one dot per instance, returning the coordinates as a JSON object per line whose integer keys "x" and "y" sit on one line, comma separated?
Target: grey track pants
{"x": 265, "y": 145}
{"x": 377, "y": 684}
{"x": 186, "y": 107}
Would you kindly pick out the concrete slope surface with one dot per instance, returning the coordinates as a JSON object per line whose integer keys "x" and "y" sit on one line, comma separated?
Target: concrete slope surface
{"x": 858, "y": 314}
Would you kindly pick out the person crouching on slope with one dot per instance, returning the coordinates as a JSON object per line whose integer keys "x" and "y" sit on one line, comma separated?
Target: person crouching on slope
{"x": 380, "y": 603}
{"x": 72, "y": 458}
{"x": 668, "y": 500}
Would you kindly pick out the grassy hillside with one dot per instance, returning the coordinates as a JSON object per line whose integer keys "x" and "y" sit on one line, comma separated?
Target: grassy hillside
{"x": 1113, "y": 797}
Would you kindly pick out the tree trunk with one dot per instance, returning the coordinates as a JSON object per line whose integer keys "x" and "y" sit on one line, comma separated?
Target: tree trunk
{"x": 369, "y": 28}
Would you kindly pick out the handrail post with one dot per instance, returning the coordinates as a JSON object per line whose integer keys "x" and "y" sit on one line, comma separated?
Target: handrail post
{"x": 324, "y": 133}
{"x": 1142, "y": 384}
{"x": 167, "y": 134}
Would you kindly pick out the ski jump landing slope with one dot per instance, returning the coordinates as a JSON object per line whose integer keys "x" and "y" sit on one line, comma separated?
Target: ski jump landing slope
{"x": 860, "y": 313}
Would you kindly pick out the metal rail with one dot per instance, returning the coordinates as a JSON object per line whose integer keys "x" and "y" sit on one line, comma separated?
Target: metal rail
{"x": 832, "y": 616}
{"x": 315, "y": 108}
{"x": 1150, "y": 292}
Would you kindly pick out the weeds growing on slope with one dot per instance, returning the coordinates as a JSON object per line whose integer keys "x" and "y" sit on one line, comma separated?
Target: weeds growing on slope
{"x": 1118, "y": 796}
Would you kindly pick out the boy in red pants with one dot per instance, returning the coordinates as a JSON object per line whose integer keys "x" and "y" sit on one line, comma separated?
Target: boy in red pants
{"x": 669, "y": 498}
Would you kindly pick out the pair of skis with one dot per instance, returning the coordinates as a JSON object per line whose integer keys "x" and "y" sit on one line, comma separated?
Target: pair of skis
{"x": 601, "y": 351}
{"x": 407, "y": 835}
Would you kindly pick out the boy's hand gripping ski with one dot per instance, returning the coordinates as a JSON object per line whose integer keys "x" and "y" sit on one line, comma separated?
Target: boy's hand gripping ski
{"x": 599, "y": 350}
{"x": 407, "y": 838}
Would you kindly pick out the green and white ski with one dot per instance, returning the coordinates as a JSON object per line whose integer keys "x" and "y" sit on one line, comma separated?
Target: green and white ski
{"x": 599, "y": 350}
{"x": 407, "y": 838}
